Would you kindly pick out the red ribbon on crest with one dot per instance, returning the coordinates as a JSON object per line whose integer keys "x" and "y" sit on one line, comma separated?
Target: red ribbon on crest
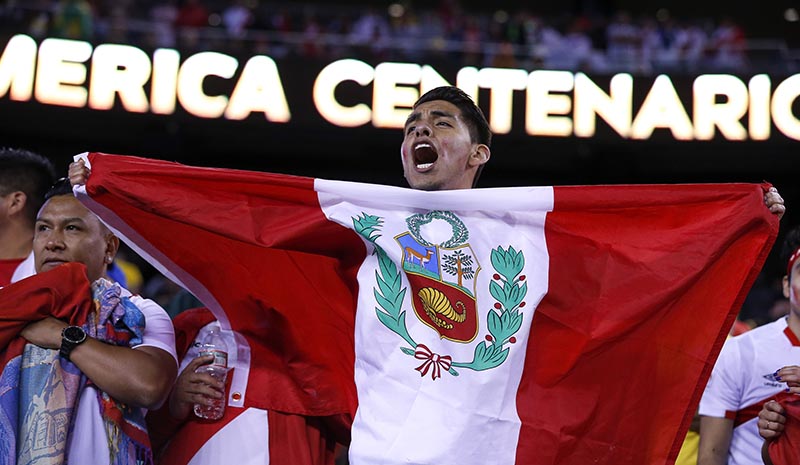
{"x": 436, "y": 361}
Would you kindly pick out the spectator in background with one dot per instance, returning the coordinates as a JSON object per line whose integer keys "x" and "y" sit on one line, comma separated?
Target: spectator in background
{"x": 24, "y": 179}
{"x": 688, "y": 453}
{"x": 624, "y": 42}
{"x": 371, "y": 30}
{"x": 408, "y": 34}
{"x": 131, "y": 276}
{"x": 779, "y": 418}
{"x": 573, "y": 50}
{"x": 765, "y": 301}
{"x": 690, "y": 41}
{"x": 471, "y": 41}
{"x": 236, "y": 18}
{"x": 503, "y": 56}
{"x": 117, "y": 28}
{"x": 312, "y": 46}
{"x": 192, "y": 15}
{"x": 746, "y": 376}
{"x": 38, "y": 19}
{"x": 727, "y": 45}
{"x": 73, "y": 19}
{"x": 652, "y": 45}
{"x": 125, "y": 347}
{"x": 164, "y": 16}
{"x": 442, "y": 32}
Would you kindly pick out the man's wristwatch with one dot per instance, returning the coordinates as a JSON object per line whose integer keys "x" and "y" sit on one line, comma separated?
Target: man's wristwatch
{"x": 71, "y": 337}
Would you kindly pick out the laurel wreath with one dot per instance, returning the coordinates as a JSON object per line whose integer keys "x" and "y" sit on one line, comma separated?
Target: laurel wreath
{"x": 508, "y": 287}
{"x": 460, "y": 231}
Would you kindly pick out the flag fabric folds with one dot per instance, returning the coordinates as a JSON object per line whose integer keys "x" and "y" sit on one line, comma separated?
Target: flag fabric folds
{"x": 532, "y": 325}
{"x": 39, "y": 390}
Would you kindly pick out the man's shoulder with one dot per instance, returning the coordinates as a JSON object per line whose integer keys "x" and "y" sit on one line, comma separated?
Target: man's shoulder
{"x": 762, "y": 334}
{"x": 149, "y": 308}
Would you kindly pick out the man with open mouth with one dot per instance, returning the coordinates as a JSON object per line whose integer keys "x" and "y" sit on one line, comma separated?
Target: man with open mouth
{"x": 446, "y": 142}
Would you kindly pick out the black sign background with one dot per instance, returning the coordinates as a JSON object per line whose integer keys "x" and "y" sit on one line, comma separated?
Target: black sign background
{"x": 310, "y": 146}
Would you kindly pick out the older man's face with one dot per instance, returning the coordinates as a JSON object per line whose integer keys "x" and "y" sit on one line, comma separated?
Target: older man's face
{"x": 65, "y": 232}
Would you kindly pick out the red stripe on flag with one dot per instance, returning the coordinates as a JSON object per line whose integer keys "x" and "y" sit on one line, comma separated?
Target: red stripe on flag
{"x": 644, "y": 284}
{"x": 259, "y": 246}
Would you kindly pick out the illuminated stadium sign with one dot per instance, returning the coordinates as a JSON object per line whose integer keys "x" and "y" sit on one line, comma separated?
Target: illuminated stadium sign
{"x": 556, "y": 103}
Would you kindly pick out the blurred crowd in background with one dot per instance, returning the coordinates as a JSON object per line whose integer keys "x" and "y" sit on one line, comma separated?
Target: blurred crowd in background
{"x": 402, "y": 31}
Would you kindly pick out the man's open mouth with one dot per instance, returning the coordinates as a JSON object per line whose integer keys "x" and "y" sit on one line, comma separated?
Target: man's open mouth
{"x": 424, "y": 156}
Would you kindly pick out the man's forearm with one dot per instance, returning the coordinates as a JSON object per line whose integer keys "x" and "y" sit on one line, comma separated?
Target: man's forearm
{"x": 715, "y": 440}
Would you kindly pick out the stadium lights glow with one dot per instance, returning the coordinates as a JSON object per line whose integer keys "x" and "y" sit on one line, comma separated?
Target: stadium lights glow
{"x": 557, "y": 103}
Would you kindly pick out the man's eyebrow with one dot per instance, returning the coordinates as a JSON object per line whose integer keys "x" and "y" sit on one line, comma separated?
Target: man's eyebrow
{"x": 442, "y": 113}
{"x": 438, "y": 113}
{"x": 412, "y": 117}
{"x": 75, "y": 219}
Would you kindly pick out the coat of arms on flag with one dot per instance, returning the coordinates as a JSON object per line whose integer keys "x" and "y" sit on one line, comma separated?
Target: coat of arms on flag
{"x": 442, "y": 278}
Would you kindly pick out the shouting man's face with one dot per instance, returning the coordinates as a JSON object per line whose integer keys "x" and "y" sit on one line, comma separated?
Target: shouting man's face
{"x": 438, "y": 152}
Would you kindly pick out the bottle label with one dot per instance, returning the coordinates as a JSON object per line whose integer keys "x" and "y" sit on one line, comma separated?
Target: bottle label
{"x": 220, "y": 358}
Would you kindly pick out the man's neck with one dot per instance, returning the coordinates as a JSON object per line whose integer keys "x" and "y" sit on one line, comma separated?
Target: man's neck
{"x": 16, "y": 241}
{"x": 793, "y": 320}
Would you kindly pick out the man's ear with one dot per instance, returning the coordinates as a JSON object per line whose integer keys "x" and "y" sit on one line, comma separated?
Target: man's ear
{"x": 15, "y": 203}
{"x": 480, "y": 155}
{"x": 112, "y": 245}
{"x": 786, "y": 286}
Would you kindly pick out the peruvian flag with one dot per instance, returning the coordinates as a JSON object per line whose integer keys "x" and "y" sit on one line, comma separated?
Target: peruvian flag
{"x": 531, "y": 325}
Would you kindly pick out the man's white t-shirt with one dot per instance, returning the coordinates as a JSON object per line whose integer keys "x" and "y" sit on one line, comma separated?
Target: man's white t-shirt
{"x": 24, "y": 269}
{"x": 742, "y": 382}
{"x": 88, "y": 443}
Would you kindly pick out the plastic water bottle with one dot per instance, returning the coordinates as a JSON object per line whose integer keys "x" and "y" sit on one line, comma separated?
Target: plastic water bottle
{"x": 213, "y": 344}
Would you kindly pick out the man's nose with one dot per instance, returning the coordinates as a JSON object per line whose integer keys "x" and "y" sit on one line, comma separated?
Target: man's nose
{"x": 54, "y": 242}
{"x": 422, "y": 129}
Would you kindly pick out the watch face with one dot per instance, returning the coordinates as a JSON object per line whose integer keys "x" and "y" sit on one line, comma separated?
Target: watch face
{"x": 74, "y": 334}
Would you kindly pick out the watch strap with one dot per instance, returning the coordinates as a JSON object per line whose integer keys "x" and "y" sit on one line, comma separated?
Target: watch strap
{"x": 69, "y": 343}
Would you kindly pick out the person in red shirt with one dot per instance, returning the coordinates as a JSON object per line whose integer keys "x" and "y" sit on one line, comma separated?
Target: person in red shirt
{"x": 24, "y": 179}
{"x": 192, "y": 13}
{"x": 779, "y": 418}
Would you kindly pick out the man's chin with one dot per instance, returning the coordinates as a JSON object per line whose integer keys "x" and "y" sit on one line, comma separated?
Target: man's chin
{"x": 421, "y": 181}
{"x": 424, "y": 184}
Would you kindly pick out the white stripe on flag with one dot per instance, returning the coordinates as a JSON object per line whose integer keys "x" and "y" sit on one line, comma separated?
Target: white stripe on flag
{"x": 405, "y": 417}
{"x": 243, "y": 441}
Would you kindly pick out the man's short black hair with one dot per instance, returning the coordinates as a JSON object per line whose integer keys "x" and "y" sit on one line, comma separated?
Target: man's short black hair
{"x": 476, "y": 121}
{"x": 28, "y": 172}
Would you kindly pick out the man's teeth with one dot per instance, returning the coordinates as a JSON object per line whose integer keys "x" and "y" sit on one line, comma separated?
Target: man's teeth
{"x": 423, "y": 166}
{"x": 423, "y": 145}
